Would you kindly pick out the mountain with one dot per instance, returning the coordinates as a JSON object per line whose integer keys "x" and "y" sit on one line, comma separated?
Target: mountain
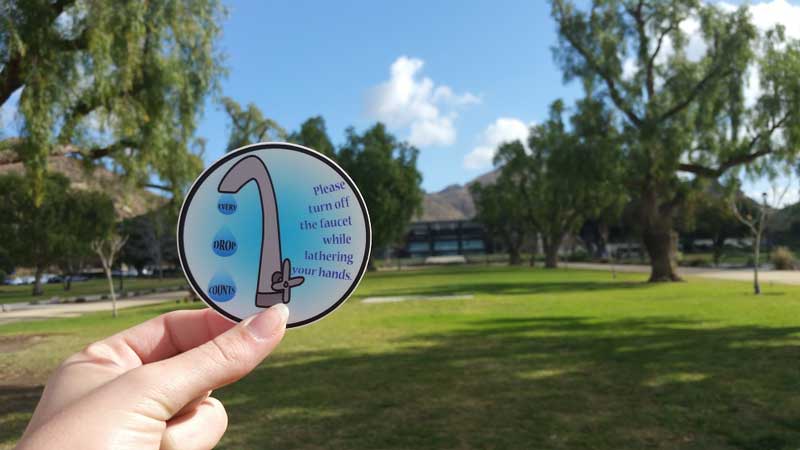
{"x": 453, "y": 202}
{"x": 128, "y": 201}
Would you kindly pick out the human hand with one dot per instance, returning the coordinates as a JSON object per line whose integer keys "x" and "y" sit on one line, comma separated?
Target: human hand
{"x": 148, "y": 387}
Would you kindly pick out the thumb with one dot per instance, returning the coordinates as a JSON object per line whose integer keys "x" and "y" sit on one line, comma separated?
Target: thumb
{"x": 170, "y": 384}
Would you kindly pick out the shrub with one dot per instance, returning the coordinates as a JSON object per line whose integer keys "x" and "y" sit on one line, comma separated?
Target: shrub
{"x": 697, "y": 262}
{"x": 782, "y": 258}
{"x": 578, "y": 256}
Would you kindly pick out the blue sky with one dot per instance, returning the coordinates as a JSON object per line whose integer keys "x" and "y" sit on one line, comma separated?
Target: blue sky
{"x": 485, "y": 61}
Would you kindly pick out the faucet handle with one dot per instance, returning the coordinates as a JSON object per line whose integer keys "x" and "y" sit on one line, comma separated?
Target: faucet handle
{"x": 283, "y": 282}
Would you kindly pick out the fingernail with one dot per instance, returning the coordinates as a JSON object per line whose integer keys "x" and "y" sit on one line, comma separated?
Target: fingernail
{"x": 264, "y": 325}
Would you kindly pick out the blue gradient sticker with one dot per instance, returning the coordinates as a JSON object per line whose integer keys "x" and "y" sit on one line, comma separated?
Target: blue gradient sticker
{"x": 221, "y": 288}
{"x": 224, "y": 244}
{"x": 274, "y": 223}
{"x": 227, "y": 204}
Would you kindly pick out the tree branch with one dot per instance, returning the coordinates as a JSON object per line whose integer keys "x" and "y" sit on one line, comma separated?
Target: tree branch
{"x": 79, "y": 42}
{"x": 644, "y": 47}
{"x": 10, "y": 77}
{"x": 12, "y": 157}
{"x": 590, "y": 61}
{"x": 652, "y": 59}
{"x": 696, "y": 90}
{"x": 744, "y": 158}
{"x": 158, "y": 186}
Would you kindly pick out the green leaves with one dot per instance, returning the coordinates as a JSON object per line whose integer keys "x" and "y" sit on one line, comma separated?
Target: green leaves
{"x": 313, "y": 134}
{"x": 60, "y": 229}
{"x": 119, "y": 82}
{"x": 385, "y": 171}
{"x": 383, "y": 168}
{"x": 250, "y": 126}
{"x": 568, "y": 173}
{"x": 678, "y": 72}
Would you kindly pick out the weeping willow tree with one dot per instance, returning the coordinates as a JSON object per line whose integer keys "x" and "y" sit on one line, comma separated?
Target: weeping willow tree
{"x": 119, "y": 83}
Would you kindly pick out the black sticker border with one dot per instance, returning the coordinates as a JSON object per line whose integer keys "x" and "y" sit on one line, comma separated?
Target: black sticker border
{"x": 273, "y": 146}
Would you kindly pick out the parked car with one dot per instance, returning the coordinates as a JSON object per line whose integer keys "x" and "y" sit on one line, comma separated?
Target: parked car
{"x": 47, "y": 277}
{"x": 74, "y": 278}
{"x": 125, "y": 273}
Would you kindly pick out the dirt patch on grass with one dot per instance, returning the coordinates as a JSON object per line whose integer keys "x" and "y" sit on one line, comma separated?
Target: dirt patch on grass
{"x": 16, "y": 407}
{"x": 17, "y": 342}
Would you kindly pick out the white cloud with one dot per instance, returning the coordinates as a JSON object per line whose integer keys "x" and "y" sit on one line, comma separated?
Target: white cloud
{"x": 437, "y": 130}
{"x": 504, "y": 129}
{"x": 406, "y": 101}
{"x": 766, "y": 15}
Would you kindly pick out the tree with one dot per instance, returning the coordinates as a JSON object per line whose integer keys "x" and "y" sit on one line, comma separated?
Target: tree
{"x": 682, "y": 113}
{"x": 385, "y": 171}
{"x": 312, "y": 134}
{"x": 570, "y": 174}
{"x": 710, "y": 216}
{"x": 249, "y": 126}
{"x": 150, "y": 240}
{"x": 757, "y": 223}
{"x": 58, "y": 230}
{"x": 138, "y": 251}
{"x": 32, "y": 236}
{"x": 118, "y": 82}
{"x": 107, "y": 248}
{"x": 88, "y": 216}
{"x": 497, "y": 208}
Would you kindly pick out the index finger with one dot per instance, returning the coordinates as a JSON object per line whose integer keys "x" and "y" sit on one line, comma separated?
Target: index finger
{"x": 156, "y": 339}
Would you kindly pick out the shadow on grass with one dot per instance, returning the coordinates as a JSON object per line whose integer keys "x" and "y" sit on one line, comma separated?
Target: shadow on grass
{"x": 512, "y": 288}
{"x": 552, "y": 383}
{"x": 16, "y": 406}
{"x": 558, "y": 382}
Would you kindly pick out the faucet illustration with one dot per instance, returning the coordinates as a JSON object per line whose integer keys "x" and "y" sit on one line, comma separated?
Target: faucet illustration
{"x": 275, "y": 280}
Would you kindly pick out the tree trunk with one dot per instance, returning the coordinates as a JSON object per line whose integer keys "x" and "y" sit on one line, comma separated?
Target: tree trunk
{"x": 513, "y": 256}
{"x": 718, "y": 248}
{"x": 551, "y": 254}
{"x": 660, "y": 242}
{"x": 658, "y": 237}
{"x": 37, "y": 282}
{"x": 756, "y": 257}
{"x": 534, "y": 249}
{"x": 111, "y": 291}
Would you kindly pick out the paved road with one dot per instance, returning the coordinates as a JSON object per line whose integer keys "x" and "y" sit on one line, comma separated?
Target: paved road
{"x": 767, "y": 276}
{"x": 37, "y": 312}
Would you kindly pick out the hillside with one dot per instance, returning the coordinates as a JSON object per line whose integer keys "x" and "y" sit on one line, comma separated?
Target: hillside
{"x": 453, "y": 202}
{"x": 129, "y": 202}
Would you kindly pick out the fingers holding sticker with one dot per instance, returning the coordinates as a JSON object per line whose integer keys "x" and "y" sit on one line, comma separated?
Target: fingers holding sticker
{"x": 274, "y": 223}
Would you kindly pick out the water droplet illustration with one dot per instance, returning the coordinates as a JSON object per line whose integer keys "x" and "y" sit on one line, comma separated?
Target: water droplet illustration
{"x": 221, "y": 288}
{"x": 227, "y": 204}
{"x": 224, "y": 244}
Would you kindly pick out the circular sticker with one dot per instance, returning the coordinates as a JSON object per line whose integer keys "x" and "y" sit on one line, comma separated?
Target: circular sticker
{"x": 274, "y": 223}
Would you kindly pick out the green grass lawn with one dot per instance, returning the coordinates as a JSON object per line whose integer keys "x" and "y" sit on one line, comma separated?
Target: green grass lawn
{"x": 538, "y": 359}
{"x": 16, "y": 294}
